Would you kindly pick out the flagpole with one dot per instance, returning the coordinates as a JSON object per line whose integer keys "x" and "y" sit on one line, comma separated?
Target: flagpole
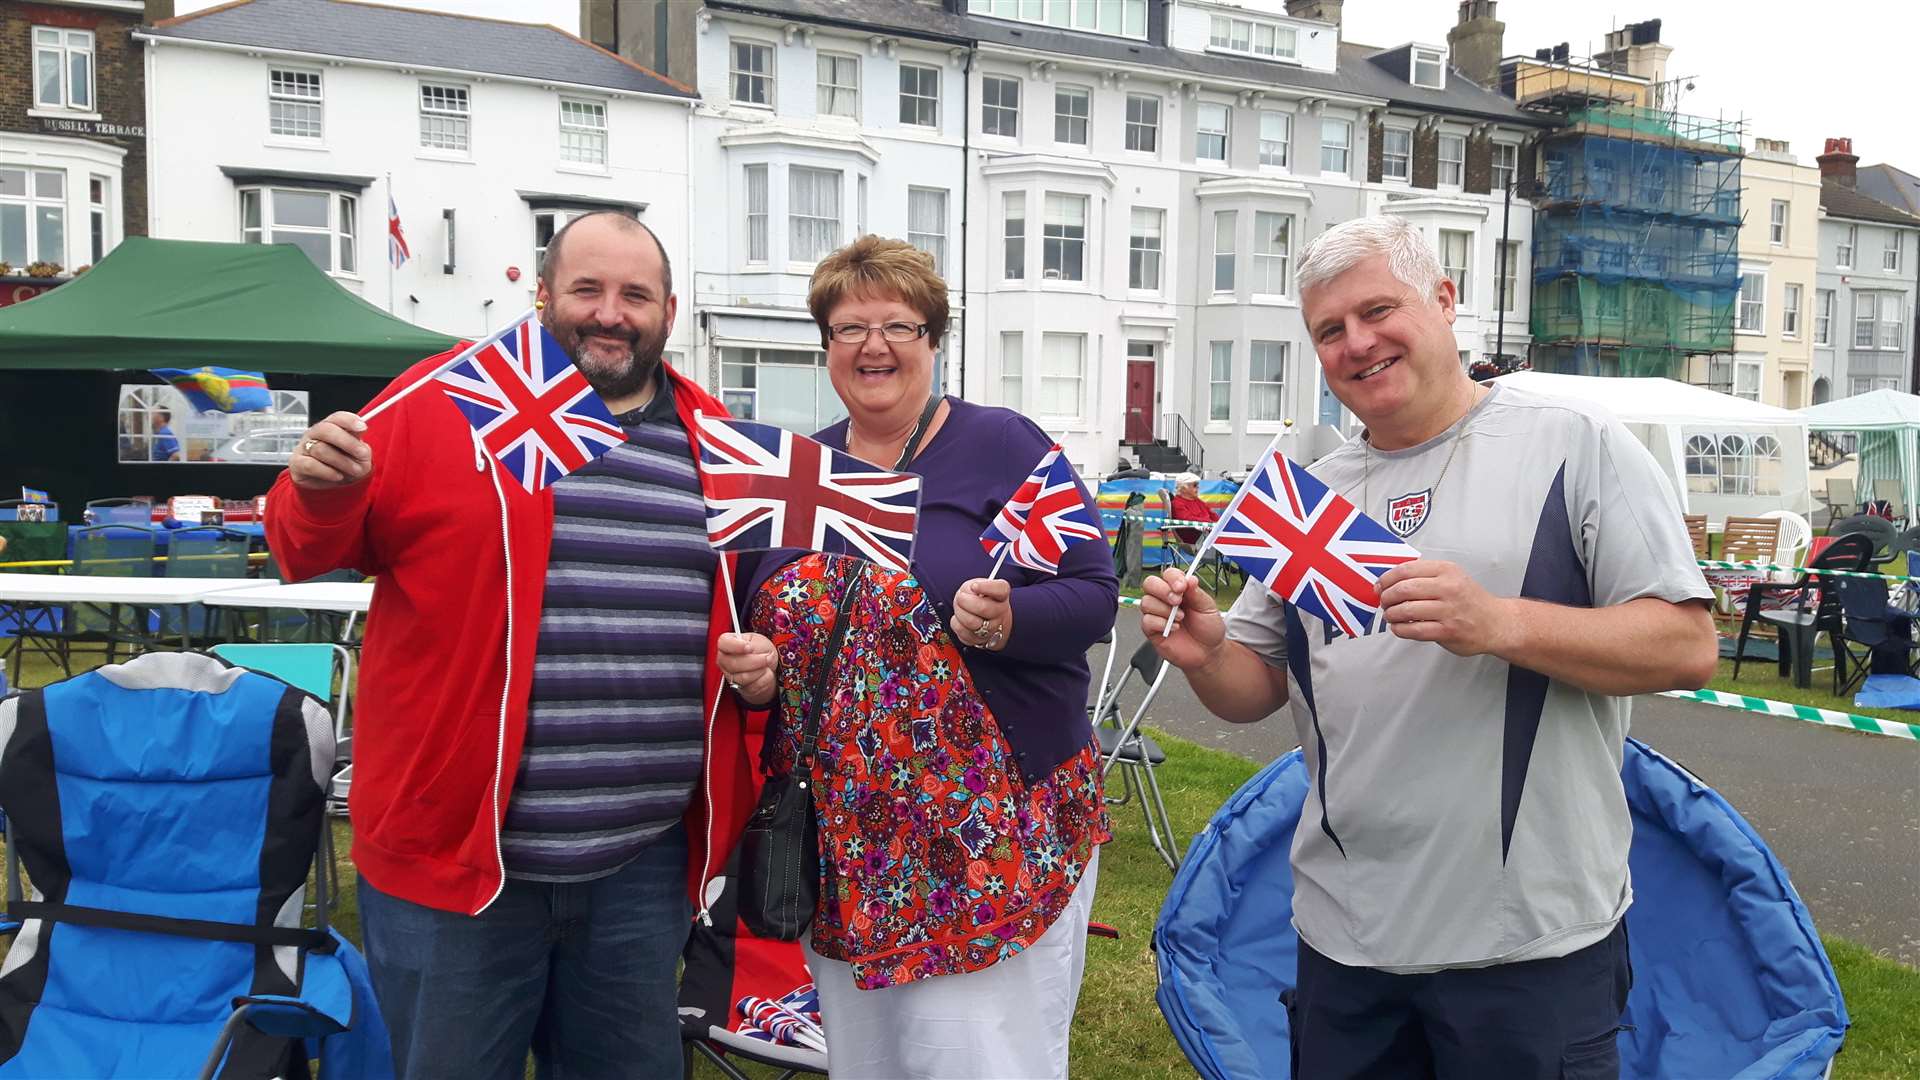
{"x": 726, "y": 583}
{"x": 1273, "y": 447}
{"x": 995, "y": 572}
{"x": 391, "y": 269}
{"x": 483, "y": 343}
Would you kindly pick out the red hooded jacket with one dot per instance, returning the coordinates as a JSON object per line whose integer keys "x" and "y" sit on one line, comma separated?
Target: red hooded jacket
{"x": 459, "y": 549}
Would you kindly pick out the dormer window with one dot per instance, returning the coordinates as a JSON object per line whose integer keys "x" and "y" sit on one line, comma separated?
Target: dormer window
{"x": 1251, "y": 37}
{"x": 1429, "y": 70}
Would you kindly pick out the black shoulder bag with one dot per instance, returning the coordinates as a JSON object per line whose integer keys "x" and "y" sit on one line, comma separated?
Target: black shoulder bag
{"x": 779, "y": 861}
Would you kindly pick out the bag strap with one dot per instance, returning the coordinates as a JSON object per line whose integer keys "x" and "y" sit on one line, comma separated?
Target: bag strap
{"x": 919, "y": 432}
{"x": 810, "y": 731}
{"x": 299, "y": 937}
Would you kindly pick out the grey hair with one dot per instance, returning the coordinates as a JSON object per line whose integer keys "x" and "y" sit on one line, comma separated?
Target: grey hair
{"x": 1349, "y": 243}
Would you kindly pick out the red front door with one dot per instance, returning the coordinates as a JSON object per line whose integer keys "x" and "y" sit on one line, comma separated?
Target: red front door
{"x": 1139, "y": 401}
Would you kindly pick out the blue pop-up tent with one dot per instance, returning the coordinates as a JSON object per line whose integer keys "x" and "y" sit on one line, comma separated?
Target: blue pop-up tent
{"x": 1730, "y": 979}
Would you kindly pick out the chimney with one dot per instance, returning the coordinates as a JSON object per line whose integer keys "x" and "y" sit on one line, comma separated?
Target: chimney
{"x": 1476, "y": 42}
{"x": 1838, "y": 162}
{"x": 1324, "y": 10}
{"x": 156, "y": 10}
{"x": 1636, "y": 49}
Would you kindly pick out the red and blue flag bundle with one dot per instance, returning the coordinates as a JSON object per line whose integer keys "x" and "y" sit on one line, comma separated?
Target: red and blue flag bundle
{"x": 767, "y": 487}
{"x": 1308, "y": 545}
{"x": 532, "y": 409}
{"x": 1046, "y": 515}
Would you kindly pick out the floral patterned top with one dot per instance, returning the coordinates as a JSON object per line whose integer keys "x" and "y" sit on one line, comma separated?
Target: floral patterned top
{"x": 936, "y": 857}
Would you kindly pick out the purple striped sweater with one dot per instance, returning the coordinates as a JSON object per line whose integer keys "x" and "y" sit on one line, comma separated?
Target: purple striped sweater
{"x": 614, "y": 720}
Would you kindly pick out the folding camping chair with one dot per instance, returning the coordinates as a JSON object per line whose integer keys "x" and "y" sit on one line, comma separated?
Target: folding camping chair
{"x": 1841, "y": 500}
{"x": 168, "y": 812}
{"x": 1887, "y": 495}
{"x": 202, "y": 551}
{"x": 1730, "y": 977}
{"x": 1131, "y": 747}
{"x": 108, "y": 551}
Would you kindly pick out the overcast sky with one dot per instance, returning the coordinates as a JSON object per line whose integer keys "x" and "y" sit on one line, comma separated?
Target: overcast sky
{"x": 1793, "y": 74}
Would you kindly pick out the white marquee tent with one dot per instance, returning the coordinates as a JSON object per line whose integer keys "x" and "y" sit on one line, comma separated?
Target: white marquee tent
{"x": 1725, "y": 455}
{"x": 1889, "y": 425}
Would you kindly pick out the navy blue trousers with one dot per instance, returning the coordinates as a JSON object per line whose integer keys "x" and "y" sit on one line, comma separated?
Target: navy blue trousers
{"x": 1536, "y": 1020}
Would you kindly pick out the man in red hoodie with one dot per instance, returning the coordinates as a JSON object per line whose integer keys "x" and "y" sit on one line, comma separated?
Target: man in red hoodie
{"x": 539, "y": 792}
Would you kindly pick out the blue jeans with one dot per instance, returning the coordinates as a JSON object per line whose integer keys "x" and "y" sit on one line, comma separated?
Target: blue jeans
{"x": 583, "y": 975}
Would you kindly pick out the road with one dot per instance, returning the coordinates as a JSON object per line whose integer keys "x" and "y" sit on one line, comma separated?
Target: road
{"x": 1840, "y": 809}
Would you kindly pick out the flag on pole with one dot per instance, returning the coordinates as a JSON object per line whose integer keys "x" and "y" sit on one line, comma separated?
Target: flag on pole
{"x": 1308, "y": 545}
{"x": 1047, "y": 514}
{"x": 767, "y": 487}
{"x": 220, "y": 389}
{"x": 397, "y": 252}
{"x": 532, "y": 408}
{"x": 33, "y": 495}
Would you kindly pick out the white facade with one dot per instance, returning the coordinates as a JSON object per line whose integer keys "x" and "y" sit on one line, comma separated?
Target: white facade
{"x": 1212, "y": 348}
{"x": 807, "y": 137}
{"x": 482, "y": 168}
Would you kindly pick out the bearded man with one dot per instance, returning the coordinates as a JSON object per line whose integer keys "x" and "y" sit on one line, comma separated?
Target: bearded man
{"x": 530, "y": 723}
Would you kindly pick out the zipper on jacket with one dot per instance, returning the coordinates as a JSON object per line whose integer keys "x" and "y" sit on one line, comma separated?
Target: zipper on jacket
{"x": 482, "y": 462}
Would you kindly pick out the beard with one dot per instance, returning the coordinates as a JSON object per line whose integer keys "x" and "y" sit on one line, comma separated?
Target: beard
{"x": 613, "y": 372}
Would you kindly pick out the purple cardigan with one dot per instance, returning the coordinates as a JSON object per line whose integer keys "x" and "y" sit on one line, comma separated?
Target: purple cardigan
{"x": 1036, "y": 687}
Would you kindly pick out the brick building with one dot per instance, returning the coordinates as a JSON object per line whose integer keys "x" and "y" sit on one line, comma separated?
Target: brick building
{"x": 73, "y": 153}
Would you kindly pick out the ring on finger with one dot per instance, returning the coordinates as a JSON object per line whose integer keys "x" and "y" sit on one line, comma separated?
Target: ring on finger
{"x": 307, "y": 447}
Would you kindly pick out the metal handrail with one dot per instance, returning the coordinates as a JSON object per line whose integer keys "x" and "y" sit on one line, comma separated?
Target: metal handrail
{"x": 1186, "y": 440}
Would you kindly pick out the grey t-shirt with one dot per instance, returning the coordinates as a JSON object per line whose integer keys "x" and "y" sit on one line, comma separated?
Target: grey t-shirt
{"x": 1465, "y": 812}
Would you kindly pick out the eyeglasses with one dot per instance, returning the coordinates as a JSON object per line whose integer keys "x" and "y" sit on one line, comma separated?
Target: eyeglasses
{"x": 856, "y": 333}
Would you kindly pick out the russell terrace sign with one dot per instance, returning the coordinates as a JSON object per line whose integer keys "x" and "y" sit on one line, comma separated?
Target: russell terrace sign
{"x": 91, "y": 127}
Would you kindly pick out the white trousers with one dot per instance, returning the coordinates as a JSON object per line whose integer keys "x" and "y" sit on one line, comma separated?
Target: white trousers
{"x": 1007, "y": 1022}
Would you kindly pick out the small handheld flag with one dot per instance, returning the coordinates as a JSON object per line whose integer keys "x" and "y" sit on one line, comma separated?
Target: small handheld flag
{"x": 1308, "y": 545}
{"x": 1047, "y": 514}
{"x": 767, "y": 488}
{"x": 397, "y": 252}
{"x": 534, "y": 411}
{"x": 220, "y": 389}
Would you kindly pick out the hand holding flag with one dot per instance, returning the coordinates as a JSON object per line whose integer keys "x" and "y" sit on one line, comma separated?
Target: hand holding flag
{"x": 1046, "y": 514}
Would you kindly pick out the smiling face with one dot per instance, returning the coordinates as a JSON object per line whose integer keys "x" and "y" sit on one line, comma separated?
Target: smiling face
{"x": 1388, "y": 353}
{"x": 607, "y": 305}
{"x": 883, "y": 384}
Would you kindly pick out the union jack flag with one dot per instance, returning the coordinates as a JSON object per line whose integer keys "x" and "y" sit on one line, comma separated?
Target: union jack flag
{"x": 1308, "y": 545}
{"x": 1046, "y": 515}
{"x": 767, "y": 488}
{"x": 533, "y": 409}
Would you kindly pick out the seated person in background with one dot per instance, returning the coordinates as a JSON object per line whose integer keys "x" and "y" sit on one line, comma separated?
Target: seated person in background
{"x": 1124, "y": 470}
{"x": 1188, "y": 506}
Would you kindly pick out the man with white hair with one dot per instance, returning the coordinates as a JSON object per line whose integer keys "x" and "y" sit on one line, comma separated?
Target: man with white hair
{"x": 1460, "y": 871}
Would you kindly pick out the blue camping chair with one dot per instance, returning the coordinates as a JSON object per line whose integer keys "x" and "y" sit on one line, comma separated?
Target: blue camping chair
{"x": 168, "y": 811}
{"x": 1730, "y": 979}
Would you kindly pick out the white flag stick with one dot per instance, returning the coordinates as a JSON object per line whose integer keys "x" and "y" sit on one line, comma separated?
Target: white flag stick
{"x": 1199, "y": 553}
{"x": 483, "y": 343}
{"x": 726, "y": 583}
{"x": 995, "y": 572}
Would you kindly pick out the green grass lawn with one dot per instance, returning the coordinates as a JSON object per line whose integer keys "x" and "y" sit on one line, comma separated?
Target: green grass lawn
{"x": 1119, "y": 1034}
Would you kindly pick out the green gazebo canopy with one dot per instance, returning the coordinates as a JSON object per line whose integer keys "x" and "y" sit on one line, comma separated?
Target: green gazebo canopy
{"x": 184, "y": 303}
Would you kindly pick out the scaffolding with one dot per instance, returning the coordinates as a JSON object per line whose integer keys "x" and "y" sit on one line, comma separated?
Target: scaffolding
{"x": 1636, "y": 264}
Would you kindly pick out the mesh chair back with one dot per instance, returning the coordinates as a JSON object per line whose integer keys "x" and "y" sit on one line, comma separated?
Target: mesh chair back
{"x": 1886, "y": 490}
{"x": 108, "y": 551}
{"x": 1840, "y": 497}
{"x": 1864, "y": 603}
{"x": 206, "y": 553}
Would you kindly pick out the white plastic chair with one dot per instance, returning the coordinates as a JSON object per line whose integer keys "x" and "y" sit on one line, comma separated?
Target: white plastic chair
{"x": 1796, "y": 534}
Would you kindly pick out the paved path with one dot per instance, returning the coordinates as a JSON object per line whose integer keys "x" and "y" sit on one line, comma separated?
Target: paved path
{"x": 1839, "y": 808}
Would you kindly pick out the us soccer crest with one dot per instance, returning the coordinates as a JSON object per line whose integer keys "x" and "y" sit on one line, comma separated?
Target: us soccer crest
{"x": 1406, "y": 513}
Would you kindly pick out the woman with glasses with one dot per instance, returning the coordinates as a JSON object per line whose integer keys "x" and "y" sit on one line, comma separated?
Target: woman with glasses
{"x": 957, "y": 782}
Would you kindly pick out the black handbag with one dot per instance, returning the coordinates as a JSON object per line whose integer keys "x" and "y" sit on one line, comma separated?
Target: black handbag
{"x": 779, "y": 862}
